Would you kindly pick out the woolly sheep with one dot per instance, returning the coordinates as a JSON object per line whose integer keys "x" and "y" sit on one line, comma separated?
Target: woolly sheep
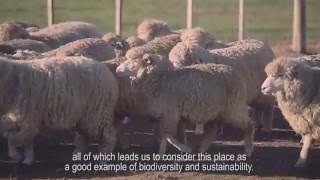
{"x": 94, "y": 48}
{"x": 199, "y": 93}
{"x": 85, "y": 29}
{"x": 58, "y": 93}
{"x": 120, "y": 45}
{"x": 148, "y": 29}
{"x": 9, "y": 31}
{"x": 24, "y": 25}
{"x": 161, "y": 46}
{"x": 249, "y": 57}
{"x": 55, "y": 40}
{"x": 10, "y": 47}
{"x": 134, "y": 41}
{"x": 296, "y": 88}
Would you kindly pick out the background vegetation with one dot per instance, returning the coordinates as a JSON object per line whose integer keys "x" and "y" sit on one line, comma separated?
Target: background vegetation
{"x": 264, "y": 19}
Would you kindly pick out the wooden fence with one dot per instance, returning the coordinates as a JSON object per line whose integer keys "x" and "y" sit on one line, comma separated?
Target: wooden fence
{"x": 299, "y": 21}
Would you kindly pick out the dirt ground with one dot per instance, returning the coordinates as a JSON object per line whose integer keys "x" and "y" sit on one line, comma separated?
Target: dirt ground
{"x": 274, "y": 156}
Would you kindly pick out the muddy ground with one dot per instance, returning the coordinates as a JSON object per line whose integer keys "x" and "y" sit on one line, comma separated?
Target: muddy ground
{"x": 274, "y": 156}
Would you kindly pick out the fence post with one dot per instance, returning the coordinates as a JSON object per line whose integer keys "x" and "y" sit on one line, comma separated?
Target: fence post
{"x": 299, "y": 26}
{"x": 50, "y": 12}
{"x": 189, "y": 14}
{"x": 118, "y": 16}
{"x": 241, "y": 20}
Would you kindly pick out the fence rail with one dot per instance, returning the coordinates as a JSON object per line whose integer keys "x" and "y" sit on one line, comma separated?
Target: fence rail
{"x": 299, "y": 21}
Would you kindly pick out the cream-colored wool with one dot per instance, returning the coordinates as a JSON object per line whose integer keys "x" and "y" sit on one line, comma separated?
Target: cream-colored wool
{"x": 149, "y": 29}
{"x": 11, "y": 46}
{"x": 59, "y": 93}
{"x": 249, "y": 57}
{"x": 299, "y": 98}
{"x": 198, "y": 93}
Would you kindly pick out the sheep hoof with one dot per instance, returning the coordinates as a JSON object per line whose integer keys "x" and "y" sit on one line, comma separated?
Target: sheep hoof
{"x": 28, "y": 161}
{"x": 199, "y": 129}
{"x": 300, "y": 163}
{"x": 248, "y": 152}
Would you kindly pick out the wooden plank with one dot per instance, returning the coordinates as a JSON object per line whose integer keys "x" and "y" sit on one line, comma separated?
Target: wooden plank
{"x": 118, "y": 16}
{"x": 241, "y": 20}
{"x": 299, "y": 26}
{"x": 50, "y": 11}
{"x": 189, "y": 14}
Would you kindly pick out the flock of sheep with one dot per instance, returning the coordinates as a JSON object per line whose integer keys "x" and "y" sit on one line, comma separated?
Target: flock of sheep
{"x": 72, "y": 76}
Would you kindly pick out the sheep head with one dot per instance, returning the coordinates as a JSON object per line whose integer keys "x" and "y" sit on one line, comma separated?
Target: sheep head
{"x": 148, "y": 29}
{"x": 198, "y": 36}
{"x": 11, "y": 31}
{"x": 183, "y": 55}
{"x": 147, "y": 63}
{"x": 281, "y": 73}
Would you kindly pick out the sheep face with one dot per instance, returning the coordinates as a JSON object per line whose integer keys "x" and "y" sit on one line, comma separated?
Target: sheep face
{"x": 280, "y": 73}
{"x": 272, "y": 85}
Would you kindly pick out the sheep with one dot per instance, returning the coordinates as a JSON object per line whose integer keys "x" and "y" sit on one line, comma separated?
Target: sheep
{"x": 57, "y": 93}
{"x": 87, "y": 30}
{"x": 296, "y": 87}
{"x": 55, "y": 40}
{"x": 134, "y": 41}
{"x": 161, "y": 46}
{"x": 9, "y": 31}
{"x": 120, "y": 45}
{"x": 24, "y": 25}
{"x": 199, "y": 37}
{"x": 10, "y": 47}
{"x": 249, "y": 57}
{"x": 126, "y": 110}
{"x": 94, "y": 48}
{"x": 199, "y": 93}
{"x": 148, "y": 29}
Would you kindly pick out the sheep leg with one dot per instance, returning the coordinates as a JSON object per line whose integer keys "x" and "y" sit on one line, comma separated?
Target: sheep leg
{"x": 28, "y": 152}
{"x": 163, "y": 145}
{"x": 80, "y": 143}
{"x": 210, "y": 136}
{"x": 307, "y": 140}
{"x": 268, "y": 119}
{"x": 258, "y": 117}
{"x": 199, "y": 129}
{"x": 13, "y": 150}
{"x": 248, "y": 139}
{"x": 109, "y": 139}
{"x": 182, "y": 135}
